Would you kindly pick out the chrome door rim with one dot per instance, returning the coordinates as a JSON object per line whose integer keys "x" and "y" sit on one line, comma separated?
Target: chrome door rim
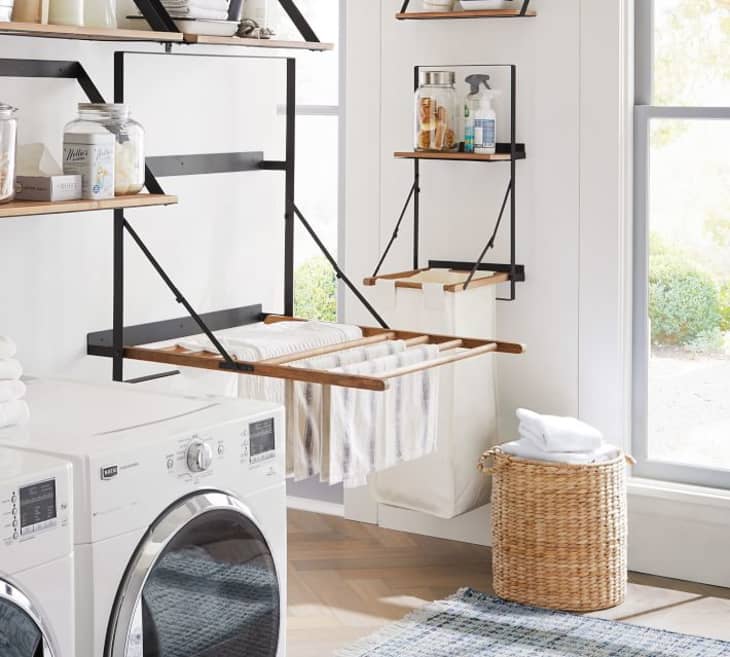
{"x": 149, "y": 551}
{"x": 13, "y": 595}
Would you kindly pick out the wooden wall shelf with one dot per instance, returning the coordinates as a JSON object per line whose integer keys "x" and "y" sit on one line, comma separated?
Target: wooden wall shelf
{"x": 463, "y": 15}
{"x": 98, "y": 34}
{"x": 462, "y": 157}
{"x": 256, "y": 43}
{"x": 87, "y": 33}
{"x": 35, "y": 208}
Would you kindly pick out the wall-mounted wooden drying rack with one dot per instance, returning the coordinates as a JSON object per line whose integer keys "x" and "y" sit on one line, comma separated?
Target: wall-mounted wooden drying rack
{"x": 138, "y": 339}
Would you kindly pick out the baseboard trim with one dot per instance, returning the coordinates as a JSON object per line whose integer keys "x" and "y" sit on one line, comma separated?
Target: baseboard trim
{"x": 315, "y": 506}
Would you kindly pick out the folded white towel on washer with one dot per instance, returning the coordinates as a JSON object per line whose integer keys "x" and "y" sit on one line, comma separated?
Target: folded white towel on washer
{"x": 11, "y": 390}
{"x": 558, "y": 434}
{"x": 10, "y": 370}
{"x": 8, "y": 348}
{"x": 14, "y": 413}
{"x": 305, "y": 407}
{"x": 526, "y": 449}
{"x": 370, "y": 431}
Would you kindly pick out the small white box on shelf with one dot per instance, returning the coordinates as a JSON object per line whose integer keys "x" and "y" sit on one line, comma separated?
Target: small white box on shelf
{"x": 48, "y": 188}
{"x": 490, "y": 4}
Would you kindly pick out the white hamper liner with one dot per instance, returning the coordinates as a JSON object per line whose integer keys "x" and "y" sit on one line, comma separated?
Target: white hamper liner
{"x": 446, "y": 484}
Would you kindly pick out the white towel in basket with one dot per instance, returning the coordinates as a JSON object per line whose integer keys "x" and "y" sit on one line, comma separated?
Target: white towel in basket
{"x": 305, "y": 409}
{"x": 370, "y": 431}
{"x": 558, "y": 434}
{"x": 526, "y": 449}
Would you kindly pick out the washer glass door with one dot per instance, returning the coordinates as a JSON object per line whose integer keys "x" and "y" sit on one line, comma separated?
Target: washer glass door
{"x": 203, "y": 584}
{"x": 21, "y": 631}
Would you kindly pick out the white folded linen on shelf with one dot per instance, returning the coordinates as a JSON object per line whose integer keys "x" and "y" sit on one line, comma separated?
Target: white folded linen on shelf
{"x": 261, "y": 341}
{"x": 10, "y": 370}
{"x": 14, "y": 413}
{"x": 8, "y": 348}
{"x": 527, "y": 449}
{"x": 198, "y": 13}
{"x": 220, "y": 5}
{"x": 558, "y": 434}
{"x": 305, "y": 406}
{"x": 371, "y": 431}
{"x": 11, "y": 390}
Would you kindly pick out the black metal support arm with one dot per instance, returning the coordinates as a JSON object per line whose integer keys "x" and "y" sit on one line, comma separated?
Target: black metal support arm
{"x": 338, "y": 270}
{"x": 396, "y": 231}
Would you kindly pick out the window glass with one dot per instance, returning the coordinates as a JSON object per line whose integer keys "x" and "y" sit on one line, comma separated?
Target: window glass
{"x": 691, "y": 52}
{"x": 213, "y": 593}
{"x": 689, "y": 292}
{"x": 317, "y": 72}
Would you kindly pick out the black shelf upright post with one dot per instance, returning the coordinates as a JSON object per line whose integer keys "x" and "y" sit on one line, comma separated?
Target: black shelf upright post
{"x": 290, "y": 185}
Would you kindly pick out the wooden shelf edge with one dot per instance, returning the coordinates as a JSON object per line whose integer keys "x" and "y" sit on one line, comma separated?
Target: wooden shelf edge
{"x": 463, "y": 15}
{"x": 256, "y": 43}
{"x": 16, "y": 209}
{"x": 86, "y": 33}
{"x": 460, "y": 157}
{"x": 480, "y": 280}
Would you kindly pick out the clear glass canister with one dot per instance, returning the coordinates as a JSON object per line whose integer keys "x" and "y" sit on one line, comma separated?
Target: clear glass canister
{"x": 129, "y": 149}
{"x": 8, "y": 147}
{"x": 437, "y": 112}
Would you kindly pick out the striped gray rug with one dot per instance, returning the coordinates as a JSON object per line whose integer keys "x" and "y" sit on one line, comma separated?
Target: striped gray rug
{"x": 471, "y": 624}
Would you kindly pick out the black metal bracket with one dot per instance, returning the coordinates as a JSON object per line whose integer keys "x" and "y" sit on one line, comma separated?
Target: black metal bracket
{"x": 42, "y": 68}
{"x": 112, "y": 343}
{"x": 156, "y": 15}
{"x": 160, "y": 20}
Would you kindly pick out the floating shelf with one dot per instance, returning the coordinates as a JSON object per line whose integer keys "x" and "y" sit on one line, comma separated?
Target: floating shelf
{"x": 34, "y": 208}
{"x": 462, "y": 15}
{"x": 87, "y": 33}
{"x": 256, "y": 43}
{"x": 463, "y": 157}
{"x": 98, "y": 34}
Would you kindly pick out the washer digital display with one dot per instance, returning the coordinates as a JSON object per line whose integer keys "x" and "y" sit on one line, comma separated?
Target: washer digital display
{"x": 37, "y": 506}
{"x": 263, "y": 440}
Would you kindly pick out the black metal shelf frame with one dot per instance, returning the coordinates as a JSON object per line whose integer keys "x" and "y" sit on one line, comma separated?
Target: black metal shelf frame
{"x": 112, "y": 343}
{"x": 523, "y": 9}
{"x": 517, "y": 152}
{"x": 202, "y": 164}
{"x": 159, "y": 18}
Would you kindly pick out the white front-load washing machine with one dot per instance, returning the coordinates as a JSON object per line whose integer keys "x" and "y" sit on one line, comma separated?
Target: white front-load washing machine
{"x": 180, "y": 521}
{"x": 36, "y": 556}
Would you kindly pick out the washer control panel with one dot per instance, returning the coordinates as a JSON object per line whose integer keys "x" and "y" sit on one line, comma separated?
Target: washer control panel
{"x": 29, "y": 509}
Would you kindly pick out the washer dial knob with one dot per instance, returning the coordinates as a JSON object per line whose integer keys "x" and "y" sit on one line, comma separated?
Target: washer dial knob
{"x": 199, "y": 456}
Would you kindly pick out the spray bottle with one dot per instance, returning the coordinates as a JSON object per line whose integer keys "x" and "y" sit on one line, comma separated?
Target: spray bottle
{"x": 480, "y": 122}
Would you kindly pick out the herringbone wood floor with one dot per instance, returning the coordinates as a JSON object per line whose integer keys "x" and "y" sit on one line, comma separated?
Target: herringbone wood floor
{"x": 347, "y": 579}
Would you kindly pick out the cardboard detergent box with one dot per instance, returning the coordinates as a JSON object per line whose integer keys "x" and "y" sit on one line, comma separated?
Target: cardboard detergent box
{"x": 48, "y": 188}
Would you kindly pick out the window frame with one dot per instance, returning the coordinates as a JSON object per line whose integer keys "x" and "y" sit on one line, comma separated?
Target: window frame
{"x": 644, "y": 113}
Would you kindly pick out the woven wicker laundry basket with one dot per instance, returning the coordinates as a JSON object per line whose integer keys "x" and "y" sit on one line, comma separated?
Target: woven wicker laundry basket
{"x": 559, "y": 532}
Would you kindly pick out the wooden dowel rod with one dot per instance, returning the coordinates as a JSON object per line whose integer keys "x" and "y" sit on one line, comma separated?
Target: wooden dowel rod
{"x": 414, "y": 342}
{"x": 330, "y": 349}
{"x": 453, "y": 344}
{"x": 439, "y": 362}
{"x": 182, "y": 359}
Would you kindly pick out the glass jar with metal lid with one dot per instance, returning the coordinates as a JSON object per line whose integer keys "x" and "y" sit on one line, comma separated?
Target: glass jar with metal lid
{"x": 437, "y": 112}
{"x": 129, "y": 148}
{"x": 8, "y": 147}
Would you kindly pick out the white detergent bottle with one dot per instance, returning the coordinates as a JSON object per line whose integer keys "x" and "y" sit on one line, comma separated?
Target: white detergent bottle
{"x": 482, "y": 114}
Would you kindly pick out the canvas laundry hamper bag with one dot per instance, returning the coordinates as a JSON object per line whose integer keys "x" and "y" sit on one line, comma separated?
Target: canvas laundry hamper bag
{"x": 445, "y": 484}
